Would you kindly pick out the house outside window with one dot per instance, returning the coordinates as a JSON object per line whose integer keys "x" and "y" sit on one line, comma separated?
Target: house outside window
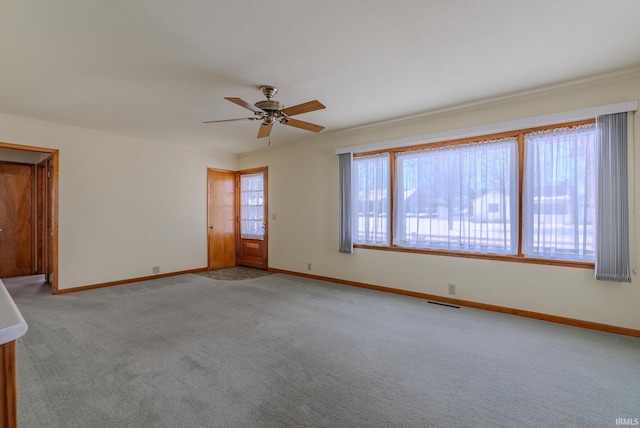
{"x": 525, "y": 194}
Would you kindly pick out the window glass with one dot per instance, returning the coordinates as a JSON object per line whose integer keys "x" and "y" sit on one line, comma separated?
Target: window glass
{"x": 371, "y": 199}
{"x": 252, "y": 206}
{"x": 559, "y": 196}
{"x": 458, "y": 197}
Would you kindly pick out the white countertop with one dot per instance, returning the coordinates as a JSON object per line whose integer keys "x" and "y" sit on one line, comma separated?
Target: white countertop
{"x": 12, "y": 325}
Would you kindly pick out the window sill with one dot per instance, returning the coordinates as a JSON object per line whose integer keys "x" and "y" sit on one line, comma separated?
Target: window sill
{"x": 498, "y": 257}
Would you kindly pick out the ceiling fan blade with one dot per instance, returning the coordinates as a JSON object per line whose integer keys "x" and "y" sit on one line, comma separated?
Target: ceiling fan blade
{"x": 264, "y": 130}
{"x": 243, "y": 103}
{"x": 303, "y": 108}
{"x": 230, "y": 120}
{"x": 304, "y": 125}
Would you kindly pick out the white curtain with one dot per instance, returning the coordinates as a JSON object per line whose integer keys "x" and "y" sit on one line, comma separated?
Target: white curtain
{"x": 346, "y": 203}
{"x": 612, "y": 232}
{"x": 371, "y": 199}
{"x": 252, "y": 206}
{"x": 560, "y": 179}
{"x": 461, "y": 197}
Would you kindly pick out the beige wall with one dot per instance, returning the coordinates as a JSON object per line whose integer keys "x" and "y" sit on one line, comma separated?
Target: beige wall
{"x": 303, "y": 185}
{"x": 128, "y": 204}
{"x": 125, "y": 204}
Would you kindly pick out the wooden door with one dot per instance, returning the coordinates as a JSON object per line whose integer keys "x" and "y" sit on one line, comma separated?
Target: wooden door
{"x": 252, "y": 204}
{"x": 221, "y": 218}
{"x": 16, "y": 212}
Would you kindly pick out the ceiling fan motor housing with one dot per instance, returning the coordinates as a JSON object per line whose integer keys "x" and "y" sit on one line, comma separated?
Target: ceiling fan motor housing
{"x": 269, "y": 105}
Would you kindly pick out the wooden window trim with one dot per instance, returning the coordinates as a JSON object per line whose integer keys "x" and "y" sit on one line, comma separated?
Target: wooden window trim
{"x": 519, "y": 257}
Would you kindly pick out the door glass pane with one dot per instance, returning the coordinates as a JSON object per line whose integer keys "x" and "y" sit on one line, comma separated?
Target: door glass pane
{"x": 252, "y": 220}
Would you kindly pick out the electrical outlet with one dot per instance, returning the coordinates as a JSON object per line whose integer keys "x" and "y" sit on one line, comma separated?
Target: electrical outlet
{"x": 155, "y": 270}
{"x": 308, "y": 266}
{"x": 452, "y": 289}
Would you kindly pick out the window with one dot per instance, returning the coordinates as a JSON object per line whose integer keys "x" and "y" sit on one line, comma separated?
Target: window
{"x": 460, "y": 197}
{"x": 525, "y": 194}
{"x": 252, "y": 206}
{"x": 371, "y": 193}
{"x": 560, "y": 184}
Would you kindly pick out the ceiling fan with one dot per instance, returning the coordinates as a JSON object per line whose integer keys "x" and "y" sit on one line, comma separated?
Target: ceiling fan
{"x": 270, "y": 111}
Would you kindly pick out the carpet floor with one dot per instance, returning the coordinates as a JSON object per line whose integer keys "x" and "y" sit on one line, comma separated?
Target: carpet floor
{"x": 283, "y": 351}
{"x": 235, "y": 273}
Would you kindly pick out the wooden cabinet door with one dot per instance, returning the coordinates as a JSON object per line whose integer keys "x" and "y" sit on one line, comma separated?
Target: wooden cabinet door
{"x": 16, "y": 212}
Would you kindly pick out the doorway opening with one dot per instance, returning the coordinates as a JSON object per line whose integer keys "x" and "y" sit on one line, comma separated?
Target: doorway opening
{"x": 237, "y": 218}
{"x": 30, "y": 209}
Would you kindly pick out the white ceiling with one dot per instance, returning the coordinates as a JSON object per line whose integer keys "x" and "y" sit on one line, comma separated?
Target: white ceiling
{"x": 156, "y": 69}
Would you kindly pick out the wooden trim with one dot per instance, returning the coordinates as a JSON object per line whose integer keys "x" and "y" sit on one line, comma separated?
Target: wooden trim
{"x": 17, "y": 163}
{"x": 129, "y": 281}
{"x": 27, "y": 148}
{"x": 55, "y": 180}
{"x": 8, "y": 386}
{"x": 519, "y": 134}
{"x": 476, "y": 305}
{"x": 55, "y": 159}
{"x": 41, "y": 218}
{"x": 483, "y": 256}
{"x": 391, "y": 218}
{"x": 520, "y": 188}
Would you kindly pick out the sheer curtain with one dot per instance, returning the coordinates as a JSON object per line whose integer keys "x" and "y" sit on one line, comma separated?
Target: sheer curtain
{"x": 252, "y": 206}
{"x": 560, "y": 179}
{"x": 612, "y": 232}
{"x": 462, "y": 197}
{"x": 346, "y": 203}
{"x": 371, "y": 199}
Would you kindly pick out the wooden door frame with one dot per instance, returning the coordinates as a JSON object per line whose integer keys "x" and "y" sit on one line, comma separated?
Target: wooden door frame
{"x": 55, "y": 155}
{"x": 40, "y": 223}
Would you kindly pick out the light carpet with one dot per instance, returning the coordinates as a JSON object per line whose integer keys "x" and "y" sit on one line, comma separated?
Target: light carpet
{"x": 283, "y": 351}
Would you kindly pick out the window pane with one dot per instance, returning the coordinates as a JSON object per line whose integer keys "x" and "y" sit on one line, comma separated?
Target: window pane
{"x": 461, "y": 197}
{"x": 371, "y": 193}
{"x": 252, "y": 206}
{"x": 560, "y": 193}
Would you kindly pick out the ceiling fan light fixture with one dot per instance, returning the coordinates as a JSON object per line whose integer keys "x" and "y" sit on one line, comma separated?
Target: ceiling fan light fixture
{"x": 270, "y": 111}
